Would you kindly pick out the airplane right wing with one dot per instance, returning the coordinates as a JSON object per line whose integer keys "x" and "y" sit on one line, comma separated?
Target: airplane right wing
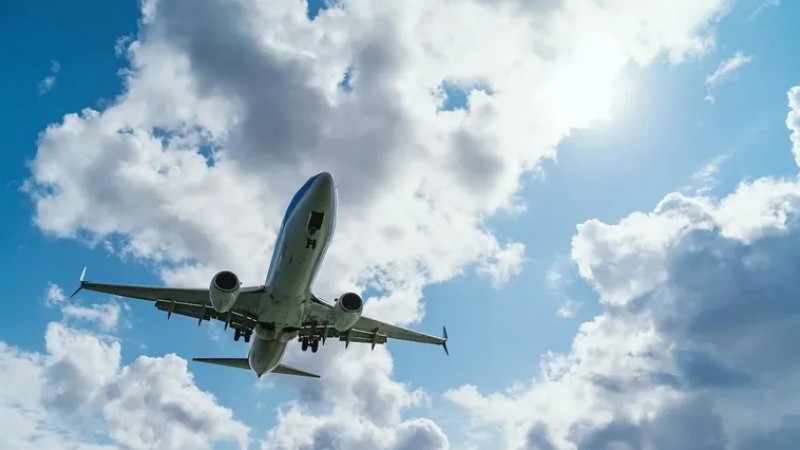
{"x": 367, "y": 330}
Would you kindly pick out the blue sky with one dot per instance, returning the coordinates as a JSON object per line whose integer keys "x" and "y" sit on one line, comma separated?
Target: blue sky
{"x": 661, "y": 133}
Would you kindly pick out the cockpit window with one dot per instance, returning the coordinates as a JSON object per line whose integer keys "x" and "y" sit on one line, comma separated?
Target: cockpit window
{"x": 315, "y": 221}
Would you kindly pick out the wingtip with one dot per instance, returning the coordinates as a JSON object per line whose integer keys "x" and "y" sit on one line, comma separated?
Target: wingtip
{"x": 82, "y": 280}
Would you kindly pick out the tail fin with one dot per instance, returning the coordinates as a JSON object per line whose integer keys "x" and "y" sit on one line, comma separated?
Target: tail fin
{"x": 242, "y": 363}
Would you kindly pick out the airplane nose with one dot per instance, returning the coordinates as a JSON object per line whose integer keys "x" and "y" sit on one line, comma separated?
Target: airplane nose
{"x": 323, "y": 189}
{"x": 324, "y": 183}
{"x": 325, "y": 178}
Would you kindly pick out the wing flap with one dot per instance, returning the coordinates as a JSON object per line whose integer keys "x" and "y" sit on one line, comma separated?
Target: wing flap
{"x": 237, "y": 320}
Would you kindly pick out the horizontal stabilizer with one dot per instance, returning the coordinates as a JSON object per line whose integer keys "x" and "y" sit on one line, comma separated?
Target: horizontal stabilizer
{"x": 289, "y": 370}
{"x": 239, "y": 363}
{"x": 242, "y": 363}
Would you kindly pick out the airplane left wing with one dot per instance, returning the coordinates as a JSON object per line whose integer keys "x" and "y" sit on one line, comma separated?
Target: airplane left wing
{"x": 367, "y": 330}
{"x": 185, "y": 301}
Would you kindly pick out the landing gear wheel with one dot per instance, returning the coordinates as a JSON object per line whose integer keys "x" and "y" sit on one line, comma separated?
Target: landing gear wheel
{"x": 305, "y": 345}
{"x": 314, "y": 346}
{"x": 237, "y": 333}
{"x": 247, "y": 336}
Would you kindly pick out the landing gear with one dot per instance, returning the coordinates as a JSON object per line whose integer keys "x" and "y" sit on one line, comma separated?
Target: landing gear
{"x": 238, "y": 333}
{"x": 306, "y": 344}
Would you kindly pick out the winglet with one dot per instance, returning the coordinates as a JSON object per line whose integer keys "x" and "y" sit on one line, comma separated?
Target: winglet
{"x": 82, "y": 281}
{"x": 444, "y": 344}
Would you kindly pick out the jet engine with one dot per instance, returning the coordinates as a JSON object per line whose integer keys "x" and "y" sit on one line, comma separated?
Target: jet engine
{"x": 347, "y": 311}
{"x": 224, "y": 290}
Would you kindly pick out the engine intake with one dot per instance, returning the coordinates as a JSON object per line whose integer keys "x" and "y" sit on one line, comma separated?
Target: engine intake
{"x": 347, "y": 311}
{"x": 224, "y": 290}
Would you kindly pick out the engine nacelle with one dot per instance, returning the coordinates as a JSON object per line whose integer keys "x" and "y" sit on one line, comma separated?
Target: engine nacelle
{"x": 347, "y": 311}
{"x": 224, "y": 290}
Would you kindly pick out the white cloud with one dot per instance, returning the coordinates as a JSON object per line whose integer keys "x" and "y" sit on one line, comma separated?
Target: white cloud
{"x": 106, "y": 315}
{"x": 230, "y": 105}
{"x": 763, "y": 6}
{"x": 50, "y": 80}
{"x": 77, "y": 395}
{"x": 725, "y": 69}
{"x": 697, "y": 329}
{"x": 338, "y": 431}
{"x": 54, "y": 294}
{"x": 705, "y": 178}
{"x": 558, "y": 278}
{"x": 793, "y": 122}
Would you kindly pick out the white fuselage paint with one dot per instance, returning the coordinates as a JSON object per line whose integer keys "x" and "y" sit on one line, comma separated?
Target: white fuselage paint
{"x": 293, "y": 268}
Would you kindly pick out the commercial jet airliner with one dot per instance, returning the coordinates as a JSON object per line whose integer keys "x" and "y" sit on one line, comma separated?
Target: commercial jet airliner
{"x": 284, "y": 307}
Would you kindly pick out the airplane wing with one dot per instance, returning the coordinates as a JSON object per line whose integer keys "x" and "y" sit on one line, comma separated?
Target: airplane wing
{"x": 185, "y": 302}
{"x": 366, "y": 330}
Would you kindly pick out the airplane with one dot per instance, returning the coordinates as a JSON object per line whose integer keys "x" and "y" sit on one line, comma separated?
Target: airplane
{"x": 284, "y": 307}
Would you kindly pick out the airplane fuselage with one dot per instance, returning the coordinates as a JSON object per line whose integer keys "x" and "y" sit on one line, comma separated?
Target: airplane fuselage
{"x": 302, "y": 241}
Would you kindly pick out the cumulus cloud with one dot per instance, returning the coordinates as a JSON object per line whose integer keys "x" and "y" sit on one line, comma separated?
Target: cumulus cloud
{"x": 229, "y": 106}
{"x": 699, "y": 317}
{"x": 106, "y": 315}
{"x": 339, "y": 431}
{"x": 77, "y": 394}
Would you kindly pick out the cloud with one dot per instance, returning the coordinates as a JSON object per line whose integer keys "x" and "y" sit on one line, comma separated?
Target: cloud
{"x": 793, "y": 122}
{"x": 229, "y": 106}
{"x": 54, "y": 294}
{"x": 725, "y": 69}
{"x": 50, "y": 80}
{"x": 698, "y": 315}
{"x": 106, "y": 315}
{"x": 77, "y": 395}
{"x": 763, "y": 6}
{"x": 705, "y": 178}
{"x": 558, "y": 279}
{"x": 297, "y": 429}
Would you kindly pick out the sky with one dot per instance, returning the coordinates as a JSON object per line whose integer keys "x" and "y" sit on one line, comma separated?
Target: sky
{"x": 598, "y": 199}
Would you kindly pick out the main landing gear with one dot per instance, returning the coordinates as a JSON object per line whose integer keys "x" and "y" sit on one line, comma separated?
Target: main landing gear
{"x": 313, "y": 344}
{"x": 237, "y": 334}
